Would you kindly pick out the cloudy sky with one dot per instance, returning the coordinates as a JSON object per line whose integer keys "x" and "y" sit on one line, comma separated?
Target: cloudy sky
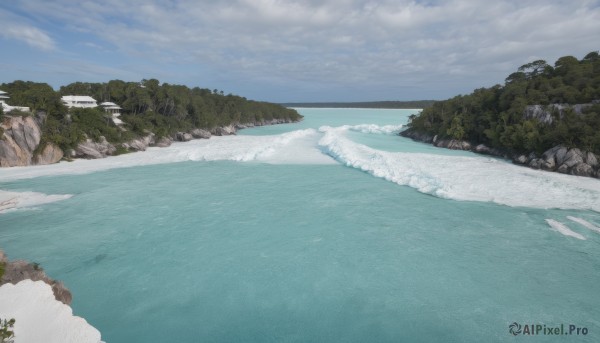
{"x": 281, "y": 50}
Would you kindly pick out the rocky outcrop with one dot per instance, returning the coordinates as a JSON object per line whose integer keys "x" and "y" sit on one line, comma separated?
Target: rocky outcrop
{"x": 200, "y": 134}
{"x": 558, "y": 159}
{"x": 20, "y": 138}
{"x": 19, "y": 270}
{"x": 544, "y": 114}
{"x": 224, "y": 131}
{"x": 563, "y": 160}
{"x": 51, "y": 153}
{"x": 163, "y": 142}
{"x": 183, "y": 137}
{"x": 417, "y": 136}
{"x": 91, "y": 150}
{"x": 453, "y": 144}
{"x": 140, "y": 144}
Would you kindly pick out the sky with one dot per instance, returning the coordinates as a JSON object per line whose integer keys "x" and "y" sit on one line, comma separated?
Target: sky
{"x": 293, "y": 51}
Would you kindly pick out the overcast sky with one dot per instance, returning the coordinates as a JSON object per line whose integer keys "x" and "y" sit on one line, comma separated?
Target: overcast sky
{"x": 283, "y": 51}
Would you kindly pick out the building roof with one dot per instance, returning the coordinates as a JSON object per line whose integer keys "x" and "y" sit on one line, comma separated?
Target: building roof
{"x": 77, "y": 98}
{"x": 2, "y": 92}
{"x": 110, "y": 105}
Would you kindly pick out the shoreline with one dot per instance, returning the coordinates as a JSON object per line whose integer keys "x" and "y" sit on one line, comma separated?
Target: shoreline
{"x": 21, "y": 144}
{"x": 559, "y": 159}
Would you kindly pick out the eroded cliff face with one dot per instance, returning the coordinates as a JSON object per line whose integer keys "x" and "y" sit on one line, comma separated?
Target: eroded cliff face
{"x": 19, "y": 141}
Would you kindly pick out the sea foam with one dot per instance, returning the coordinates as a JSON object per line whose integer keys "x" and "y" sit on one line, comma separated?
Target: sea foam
{"x": 562, "y": 228}
{"x": 39, "y": 317}
{"x": 473, "y": 178}
{"x": 584, "y": 223}
{"x": 10, "y": 201}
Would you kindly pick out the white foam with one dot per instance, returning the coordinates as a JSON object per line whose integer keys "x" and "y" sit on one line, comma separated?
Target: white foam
{"x": 10, "y": 201}
{"x": 372, "y": 128}
{"x": 562, "y": 228}
{"x": 39, "y": 317}
{"x": 473, "y": 178}
{"x": 298, "y": 146}
{"x": 584, "y": 223}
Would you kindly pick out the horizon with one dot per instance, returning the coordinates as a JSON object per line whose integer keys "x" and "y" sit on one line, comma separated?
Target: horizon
{"x": 288, "y": 52}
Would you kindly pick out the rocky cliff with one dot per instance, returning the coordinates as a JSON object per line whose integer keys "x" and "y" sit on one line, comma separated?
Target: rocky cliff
{"x": 16, "y": 271}
{"x": 19, "y": 143}
{"x": 21, "y": 136}
{"x": 557, "y": 159}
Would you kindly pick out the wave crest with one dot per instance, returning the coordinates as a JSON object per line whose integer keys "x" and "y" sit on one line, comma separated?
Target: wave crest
{"x": 464, "y": 177}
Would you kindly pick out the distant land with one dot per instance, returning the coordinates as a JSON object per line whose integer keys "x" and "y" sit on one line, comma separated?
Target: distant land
{"x": 368, "y": 104}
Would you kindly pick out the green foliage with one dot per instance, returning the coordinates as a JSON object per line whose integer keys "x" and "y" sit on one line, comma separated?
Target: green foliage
{"x": 36, "y": 96}
{"x": 2, "y": 269}
{"x": 147, "y": 106}
{"x": 495, "y": 116}
{"x": 370, "y": 104}
{"x": 6, "y": 330}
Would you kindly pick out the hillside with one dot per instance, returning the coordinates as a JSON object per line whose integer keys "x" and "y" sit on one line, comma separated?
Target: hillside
{"x": 539, "y": 107}
{"x": 365, "y": 104}
{"x": 152, "y": 114}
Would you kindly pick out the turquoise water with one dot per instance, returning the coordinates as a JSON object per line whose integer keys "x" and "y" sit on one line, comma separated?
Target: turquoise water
{"x": 216, "y": 250}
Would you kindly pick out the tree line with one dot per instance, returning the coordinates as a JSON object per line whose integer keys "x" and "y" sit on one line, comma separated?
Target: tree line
{"x": 496, "y": 116}
{"x": 366, "y": 104}
{"x": 146, "y": 106}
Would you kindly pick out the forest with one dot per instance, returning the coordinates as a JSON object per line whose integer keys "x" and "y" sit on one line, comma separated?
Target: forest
{"x": 504, "y": 116}
{"x": 146, "y": 106}
{"x": 366, "y": 104}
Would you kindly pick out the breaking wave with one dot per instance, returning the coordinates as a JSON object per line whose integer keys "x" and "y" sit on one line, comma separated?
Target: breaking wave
{"x": 10, "y": 201}
{"x": 584, "y": 223}
{"x": 472, "y": 178}
{"x": 562, "y": 228}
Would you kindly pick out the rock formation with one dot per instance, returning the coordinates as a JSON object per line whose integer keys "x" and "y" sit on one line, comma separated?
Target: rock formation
{"x": 19, "y": 143}
{"x": 19, "y": 270}
{"x": 90, "y": 149}
{"x": 558, "y": 159}
{"x": 563, "y": 160}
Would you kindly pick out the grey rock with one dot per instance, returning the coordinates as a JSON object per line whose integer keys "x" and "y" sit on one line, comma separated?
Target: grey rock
{"x": 453, "y": 144}
{"x": 563, "y": 169}
{"x": 92, "y": 150}
{"x": 535, "y": 163}
{"x": 582, "y": 169}
{"x": 183, "y": 137}
{"x": 163, "y": 142}
{"x": 591, "y": 159}
{"x": 224, "y": 131}
{"x": 49, "y": 155}
{"x": 548, "y": 164}
{"x": 199, "y": 133}
{"x": 140, "y": 144}
{"x": 573, "y": 157}
{"x": 560, "y": 155}
{"x": 19, "y": 270}
{"x": 521, "y": 159}
{"x": 482, "y": 149}
{"x": 21, "y": 137}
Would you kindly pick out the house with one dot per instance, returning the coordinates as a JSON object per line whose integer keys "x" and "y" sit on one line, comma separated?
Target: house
{"x": 114, "y": 110}
{"x": 6, "y": 107}
{"x": 79, "y": 101}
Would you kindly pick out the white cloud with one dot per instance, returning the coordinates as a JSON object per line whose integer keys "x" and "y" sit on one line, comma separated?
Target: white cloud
{"x": 339, "y": 41}
{"x": 14, "y": 27}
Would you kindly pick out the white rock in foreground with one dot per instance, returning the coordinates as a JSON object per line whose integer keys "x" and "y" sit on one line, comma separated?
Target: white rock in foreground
{"x": 39, "y": 317}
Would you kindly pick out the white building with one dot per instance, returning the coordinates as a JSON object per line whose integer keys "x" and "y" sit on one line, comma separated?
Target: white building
{"x": 6, "y": 107}
{"x": 114, "y": 110}
{"x": 79, "y": 101}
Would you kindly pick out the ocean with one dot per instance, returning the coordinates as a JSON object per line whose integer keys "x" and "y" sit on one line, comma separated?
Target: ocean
{"x": 334, "y": 229}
